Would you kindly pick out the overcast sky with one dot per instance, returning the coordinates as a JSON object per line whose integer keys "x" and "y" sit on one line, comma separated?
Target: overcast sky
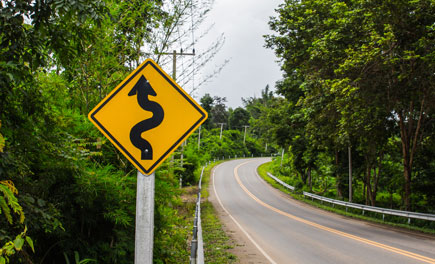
{"x": 251, "y": 66}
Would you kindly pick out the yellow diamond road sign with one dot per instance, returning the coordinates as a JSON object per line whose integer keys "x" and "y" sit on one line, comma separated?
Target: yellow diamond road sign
{"x": 147, "y": 116}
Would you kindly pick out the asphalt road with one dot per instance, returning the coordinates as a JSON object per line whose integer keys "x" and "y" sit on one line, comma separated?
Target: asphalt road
{"x": 288, "y": 231}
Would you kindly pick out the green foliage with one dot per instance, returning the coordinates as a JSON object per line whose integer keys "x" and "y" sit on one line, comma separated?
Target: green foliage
{"x": 355, "y": 75}
{"x": 77, "y": 259}
{"x": 2, "y": 140}
{"x": 216, "y": 109}
{"x": 77, "y": 193}
{"x": 171, "y": 229}
{"x": 216, "y": 241}
{"x": 73, "y": 200}
{"x": 11, "y": 248}
{"x": 58, "y": 59}
{"x": 238, "y": 118}
{"x": 7, "y": 201}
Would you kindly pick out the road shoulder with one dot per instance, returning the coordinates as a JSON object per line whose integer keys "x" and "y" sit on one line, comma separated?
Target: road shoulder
{"x": 244, "y": 249}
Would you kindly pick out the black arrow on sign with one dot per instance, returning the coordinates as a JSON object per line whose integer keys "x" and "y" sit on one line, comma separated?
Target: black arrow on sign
{"x": 143, "y": 89}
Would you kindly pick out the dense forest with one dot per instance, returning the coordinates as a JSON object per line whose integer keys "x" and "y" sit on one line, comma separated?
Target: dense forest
{"x": 358, "y": 81}
{"x": 66, "y": 194}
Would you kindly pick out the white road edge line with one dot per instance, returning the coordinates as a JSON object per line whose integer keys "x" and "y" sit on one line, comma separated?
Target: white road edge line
{"x": 237, "y": 223}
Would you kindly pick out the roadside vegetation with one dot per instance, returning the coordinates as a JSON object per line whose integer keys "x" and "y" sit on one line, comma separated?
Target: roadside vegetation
{"x": 216, "y": 242}
{"x": 66, "y": 194}
{"x": 394, "y": 221}
{"x": 357, "y": 79}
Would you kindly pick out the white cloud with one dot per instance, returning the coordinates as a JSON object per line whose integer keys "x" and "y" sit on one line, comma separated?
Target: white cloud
{"x": 252, "y": 67}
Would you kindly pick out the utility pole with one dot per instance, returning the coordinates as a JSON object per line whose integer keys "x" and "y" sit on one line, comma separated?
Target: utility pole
{"x": 222, "y": 125}
{"x": 174, "y": 76}
{"x": 174, "y": 59}
{"x": 244, "y": 136}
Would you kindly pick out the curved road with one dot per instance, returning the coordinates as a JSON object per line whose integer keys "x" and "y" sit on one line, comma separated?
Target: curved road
{"x": 287, "y": 231}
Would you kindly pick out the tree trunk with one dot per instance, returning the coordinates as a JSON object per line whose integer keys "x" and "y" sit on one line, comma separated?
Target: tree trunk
{"x": 409, "y": 137}
{"x": 369, "y": 187}
{"x": 375, "y": 186}
{"x": 350, "y": 173}
{"x": 310, "y": 182}
{"x": 405, "y": 156}
{"x": 366, "y": 181}
{"x": 367, "y": 184}
{"x": 364, "y": 191}
{"x": 391, "y": 199}
{"x": 407, "y": 192}
{"x": 326, "y": 187}
{"x": 304, "y": 177}
{"x": 376, "y": 176}
{"x": 337, "y": 177}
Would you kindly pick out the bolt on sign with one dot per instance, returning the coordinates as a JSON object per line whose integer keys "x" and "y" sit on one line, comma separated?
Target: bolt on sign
{"x": 147, "y": 116}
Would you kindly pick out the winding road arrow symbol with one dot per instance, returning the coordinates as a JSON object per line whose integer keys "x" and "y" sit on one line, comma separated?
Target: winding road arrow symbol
{"x": 143, "y": 89}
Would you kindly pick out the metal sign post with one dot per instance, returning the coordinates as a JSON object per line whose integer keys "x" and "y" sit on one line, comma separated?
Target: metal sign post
{"x": 144, "y": 237}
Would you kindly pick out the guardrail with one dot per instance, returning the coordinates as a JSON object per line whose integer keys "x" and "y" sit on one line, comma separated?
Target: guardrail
{"x": 217, "y": 158}
{"x": 281, "y": 182}
{"x": 383, "y": 211}
{"x": 196, "y": 246}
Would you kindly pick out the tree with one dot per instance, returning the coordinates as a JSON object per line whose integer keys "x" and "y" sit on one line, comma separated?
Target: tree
{"x": 47, "y": 153}
{"x": 219, "y": 113}
{"x": 257, "y": 107}
{"x": 57, "y": 60}
{"x": 238, "y": 118}
{"x": 110, "y": 53}
{"x": 370, "y": 54}
{"x": 207, "y": 103}
{"x": 396, "y": 52}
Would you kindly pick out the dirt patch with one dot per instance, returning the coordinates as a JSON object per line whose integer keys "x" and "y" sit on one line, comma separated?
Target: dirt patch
{"x": 244, "y": 249}
{"x": 189, "y": 194}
